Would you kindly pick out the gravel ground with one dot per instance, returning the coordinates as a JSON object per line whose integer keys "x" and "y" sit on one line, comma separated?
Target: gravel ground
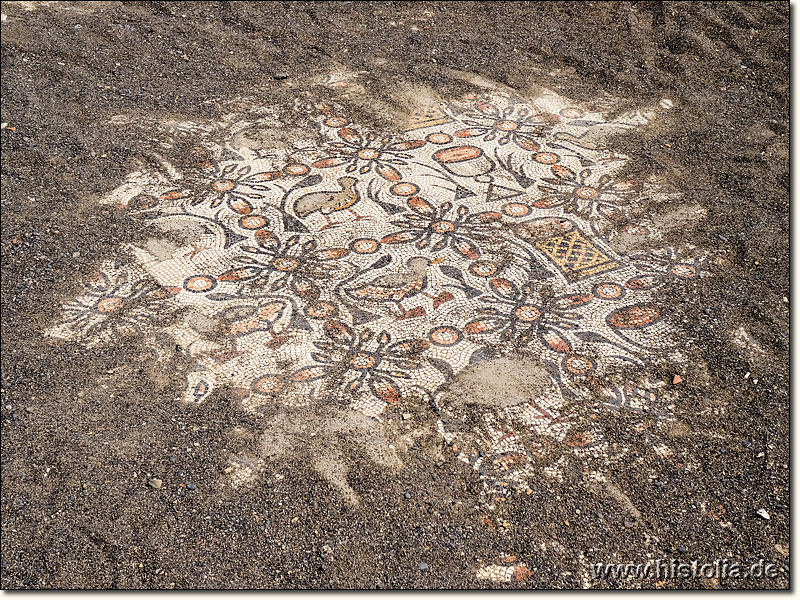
{"x": 84, "y": 430}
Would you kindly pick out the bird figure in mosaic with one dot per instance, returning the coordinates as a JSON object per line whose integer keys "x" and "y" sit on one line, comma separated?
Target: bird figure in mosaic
{"x": 327, "y": 202}
{"x": 398, "y": 286}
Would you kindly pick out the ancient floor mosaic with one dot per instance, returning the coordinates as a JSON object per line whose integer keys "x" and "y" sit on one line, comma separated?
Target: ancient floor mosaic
{"x": 362, "y": 269}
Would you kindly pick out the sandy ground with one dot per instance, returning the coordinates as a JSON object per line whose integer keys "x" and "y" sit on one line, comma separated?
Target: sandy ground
{"x": 85, "y": 429}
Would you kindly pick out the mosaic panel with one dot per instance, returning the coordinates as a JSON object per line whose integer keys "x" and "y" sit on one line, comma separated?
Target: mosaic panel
{"x": 368, "y": 269}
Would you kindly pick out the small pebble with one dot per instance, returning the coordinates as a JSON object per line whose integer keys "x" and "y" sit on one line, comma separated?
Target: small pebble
{"x": 407, "y": 495}
{"x": 155, "y": 483}
{"x": 677, "y": 379}
{"x": 281, "y": 75}
{"x": 763, "y": 514}
{"x": 423, "y": 566}
{"x": 173, "y": 459}
{"x": 682, "y": 549}
{"x": 191, "y": 486}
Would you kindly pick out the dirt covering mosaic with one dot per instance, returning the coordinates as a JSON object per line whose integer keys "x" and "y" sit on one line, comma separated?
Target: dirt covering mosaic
{"x": 363, "y": 270}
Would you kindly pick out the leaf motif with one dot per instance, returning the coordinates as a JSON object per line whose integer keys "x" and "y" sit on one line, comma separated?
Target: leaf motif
{"x": 272, "y": 311}
{"x": 381, "y": 262}
{"x": 326, "y": 163}
{"x": 421, "y": 206}
{"x": 484, "y": 325}
{"x": 220, "y": 297}
{"x": 452, "y": 272}
{"x": 309, "y": 181}
{"x": 479, "y": 355}
{"x": 636, "y": 316}
{"x": 174, "y": 195}
{"x": 556, "y": 342}
{"x": 385, "y": 389}
{"x": 442, "y": 366}
{"x": 407, "y": 145}
{"x": 528, "y": 145}
{"x": 548, "y": 202}
{"x": 487, "y": 217}
{"x": 439, "y": 245}
{"x": 305, "y": 287}
{"x": 401, "y": 237}
{"x": 487, "y": 107}
{"x": 563, "y": 173}
{"x": 325, "y": 345}
{"x": 505, "y": 288}
{"x": 610, "y": 212}
{"x": 467, "y": 248}
{"x": 462, "y": 133}
{"x": 572, "y": 300}
{"x": 643, "y": 282}
{"x": 354, "y": 384}
{"x": 240, "y": 274}
{"x": 388, "y": 173}
{"x": 339, "y": 332}
{"x": 404, "y": 364}
{"x": 591, "y": 337}
{"x": 310, "y": 373}
{"x": 266, "y": 237}
{"x": 333, "y": 253}
{"x": 351, "y": 136}
{"x": 410, "y": 347}
{"x": 266, "y": 176}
